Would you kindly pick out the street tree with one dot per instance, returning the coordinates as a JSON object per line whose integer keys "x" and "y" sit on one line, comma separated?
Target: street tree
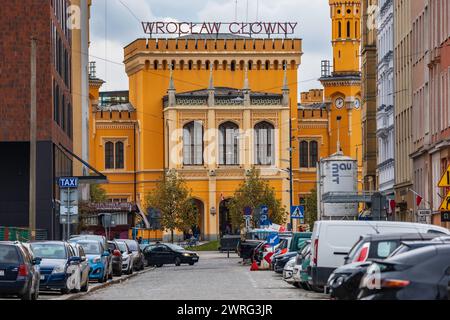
{"x": 254, "y": 192}
{"x": 311, "y": 208}
{"x": 174, "y": 202}
{"x": 97, "y": 193}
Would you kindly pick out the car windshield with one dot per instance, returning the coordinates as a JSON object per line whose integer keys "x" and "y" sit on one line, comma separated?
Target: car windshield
{"x": 355, "y": 249}
{"x": 122, "y": 246}
{"x": 8, "y": 254}
{"x": 91, "y": 247}
{"x": 132, "y": 245}
{"x": 401, "y": 249}
{"x": 174, "y": 247}
{"x": 49, "y": 250}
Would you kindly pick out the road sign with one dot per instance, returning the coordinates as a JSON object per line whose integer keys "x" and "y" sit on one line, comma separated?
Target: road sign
{"x": 264, "y": 217}
{"x": 66, "y": 194}
{"x": 273, "y": 239}
{"x": 68, "y": 182}
{"x": 73, "y": 219}
{"x": 297, "y": 212}
{"x": 424, "y": 212}
{"x": 445, "y": 216}
{"x": 445, "y": 180}
{"x": 64, "y": 210}
{"x": 247, "y": 211}
{"x": 445, "y": 206}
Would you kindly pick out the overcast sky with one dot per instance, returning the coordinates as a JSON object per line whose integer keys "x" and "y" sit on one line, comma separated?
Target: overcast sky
{"x": 122, "y": 25}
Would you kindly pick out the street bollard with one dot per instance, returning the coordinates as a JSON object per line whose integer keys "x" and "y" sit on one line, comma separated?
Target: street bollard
{"x": 228, "y": 253}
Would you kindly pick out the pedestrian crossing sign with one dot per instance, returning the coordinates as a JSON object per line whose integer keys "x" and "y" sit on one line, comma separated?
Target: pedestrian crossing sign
{"x": 297, "y": 212}
{"x": 445, "y": 206}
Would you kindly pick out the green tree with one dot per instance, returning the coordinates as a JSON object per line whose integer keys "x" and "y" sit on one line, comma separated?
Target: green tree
{"x": 98, "y": 194}
{"x": 174, "y": 202}
{"x": 254, "y": 193}
{"x": 311, "y": 208}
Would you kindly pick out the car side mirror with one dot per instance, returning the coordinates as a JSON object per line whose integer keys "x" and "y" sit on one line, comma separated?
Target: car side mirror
{"x": 130, "y": 252}
{"x": 36, "y": 261}
{"x": 83, "y": 259}
{"x": 74, "y": 260}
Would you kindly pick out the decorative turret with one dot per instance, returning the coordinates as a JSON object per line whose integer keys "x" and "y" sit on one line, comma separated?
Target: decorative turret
{"x": 246, "y": 89}
{"x": 171, "y": 91}
{"x": 211, "y": 89}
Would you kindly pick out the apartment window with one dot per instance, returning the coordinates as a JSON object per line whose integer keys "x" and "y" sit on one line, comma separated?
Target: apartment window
{"x": 193, "y": 143}
{"x": 304, "y": 154}
{"x": 114, "y": 155}
{"x": 228, "y": 144}
{"x": 264, "y": 143}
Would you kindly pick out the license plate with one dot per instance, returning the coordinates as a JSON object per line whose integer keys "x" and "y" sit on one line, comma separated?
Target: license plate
{"x": 2, "y": 273}
{"x": 42, "y": 277}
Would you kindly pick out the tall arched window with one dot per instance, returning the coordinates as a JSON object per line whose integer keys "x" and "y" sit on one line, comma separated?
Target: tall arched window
{"x": 264, "y": 144}
{"x": 348, "y": 29}
{"x": 119, "y": 155}
{"x": 304, "y": 154}
{"x": 109, "y": 155}
{"x": 313, "y": 153}
{"x": 228, "y": 144}
{"x": 193, "y": 143}
{"x": 339, "y": 29}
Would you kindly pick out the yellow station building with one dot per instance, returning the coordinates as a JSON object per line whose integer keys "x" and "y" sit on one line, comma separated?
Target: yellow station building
{"x": 212, "y": 107}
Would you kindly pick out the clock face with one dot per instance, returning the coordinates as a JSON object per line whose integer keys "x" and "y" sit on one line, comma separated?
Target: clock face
{"x": 357, "y": 103}
{"x": 339, "y": 103}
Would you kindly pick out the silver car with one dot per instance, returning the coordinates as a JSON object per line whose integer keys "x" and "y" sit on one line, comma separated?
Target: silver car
{"x": 127, "y": 257}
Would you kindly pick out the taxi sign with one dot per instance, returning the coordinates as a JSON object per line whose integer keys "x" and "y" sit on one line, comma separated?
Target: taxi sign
{"x": 68, "y": 182}
{"x": 445, "y": 206}
{"x": 445, "y": 180}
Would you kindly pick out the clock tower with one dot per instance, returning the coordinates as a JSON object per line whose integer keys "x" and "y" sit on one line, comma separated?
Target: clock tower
{"x": 342, "y": 80}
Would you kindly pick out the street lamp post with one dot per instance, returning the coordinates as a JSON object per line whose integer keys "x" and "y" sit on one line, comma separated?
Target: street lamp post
{"x": 290, "y": 174}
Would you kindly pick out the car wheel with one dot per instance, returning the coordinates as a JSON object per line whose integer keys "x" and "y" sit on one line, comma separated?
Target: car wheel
{"x": 142, "y": 266}
{"x": 177, "y": 261}
{"x": 27, "y": 296}
{"x": 64, "y": 291}
{"x": 297, "y": 285}
{"x": 191, "y": 263}
{"x": 85, "y": 288}
{"x": 159, "y": 265}
{"x": 317, "y": 289}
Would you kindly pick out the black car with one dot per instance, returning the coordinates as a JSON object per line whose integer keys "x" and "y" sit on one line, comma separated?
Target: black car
{"x": 245, "y": 248}
{"x": 344, "y": 281}
{"x": 19, "y": 271}
{"x": 166, "y": 253}
{"x": 114, "y": 249}
{"x": 421, "y": 274}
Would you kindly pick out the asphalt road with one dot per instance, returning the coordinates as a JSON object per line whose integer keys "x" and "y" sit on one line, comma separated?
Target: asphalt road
{"x": 215, "y": 277}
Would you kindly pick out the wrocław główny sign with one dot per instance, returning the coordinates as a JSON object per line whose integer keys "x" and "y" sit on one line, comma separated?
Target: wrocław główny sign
{"x": 235, "y": 28}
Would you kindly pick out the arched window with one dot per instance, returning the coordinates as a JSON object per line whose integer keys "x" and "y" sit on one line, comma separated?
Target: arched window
{"x": 193, "y": 143}
{"x": 304, "y": 154}
{"x": 119, "y": 155}
{"x": 190, "y": 63}
{"x": 267, "y": 64}
{"x": 339, "y": 29}
{"x": 313, "y": 153}
{"x": 109, "y": 155}
{"x": 233, "y": 65}
{"x": 155, "y": 65}
{"x": 228, "y": 144}
{"x": 264, "y": 144}
{"x": 348, "y": 29}
{"x": 250, "y": 65}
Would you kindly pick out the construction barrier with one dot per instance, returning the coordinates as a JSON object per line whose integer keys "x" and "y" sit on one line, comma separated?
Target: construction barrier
{"x": 147, "y": 235}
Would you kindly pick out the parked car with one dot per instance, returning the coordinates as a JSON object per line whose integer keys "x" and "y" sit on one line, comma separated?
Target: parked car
{"x": 138, "y": 256}
{"x": 288, "y": 271}
{"x": 406, "y": 246}
{"x": 104, "y": 243}
{"x": 166, "y": 253}
{"x": 296, "y": 245}
{"x": 246, "y": 248}
{"x": 421, "y": 274}
{"x": 117, "y": 259}
{"x": 345, "y": 280}
{"x": 99, "y": 259}
{"x": 332, "y": 240}
{"x": 19, "y": 271}
{"x": 299, "y": 271}
{"x": 59, "y": 267}
{"x": 280, "y": 261}
{"x": 127, "y": 257}
{"x": 84, "y": 267}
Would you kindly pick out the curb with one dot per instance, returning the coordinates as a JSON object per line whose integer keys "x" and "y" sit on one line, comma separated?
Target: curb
{"x": 75, "y": 296}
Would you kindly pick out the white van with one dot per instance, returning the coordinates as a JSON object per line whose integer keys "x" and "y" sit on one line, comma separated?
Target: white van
{"x": 331, "y": 242}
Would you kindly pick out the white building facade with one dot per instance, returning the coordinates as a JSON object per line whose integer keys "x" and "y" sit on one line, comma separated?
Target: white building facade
{"x": 385, "y": 99}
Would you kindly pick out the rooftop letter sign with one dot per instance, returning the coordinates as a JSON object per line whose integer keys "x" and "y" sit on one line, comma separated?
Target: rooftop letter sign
{"x": 235, "y": 28}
